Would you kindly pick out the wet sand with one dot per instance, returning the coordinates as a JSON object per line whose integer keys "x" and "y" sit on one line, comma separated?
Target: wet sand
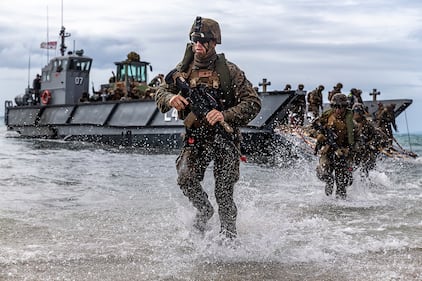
{"x": 404, "y": 266}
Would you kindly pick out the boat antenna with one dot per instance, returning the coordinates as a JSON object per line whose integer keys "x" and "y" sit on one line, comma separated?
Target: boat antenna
{"x": 47, "y": 49}
{"x": 29, "y": 67}
{"x": 63, "y": 35}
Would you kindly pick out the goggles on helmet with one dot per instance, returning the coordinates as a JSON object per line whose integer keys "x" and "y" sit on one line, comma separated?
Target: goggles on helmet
{"x": 199, "y": 37}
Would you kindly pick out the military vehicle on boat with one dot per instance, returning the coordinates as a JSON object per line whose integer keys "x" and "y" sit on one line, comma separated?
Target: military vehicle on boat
{"x": 113, "y": 116}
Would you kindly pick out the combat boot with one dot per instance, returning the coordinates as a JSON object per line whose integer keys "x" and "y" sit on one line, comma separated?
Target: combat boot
{"x": 202, "y": 217}
{"x": 341, "y": 192}
{"x": 229, "y": 234}
{"x": 228, "y": 229}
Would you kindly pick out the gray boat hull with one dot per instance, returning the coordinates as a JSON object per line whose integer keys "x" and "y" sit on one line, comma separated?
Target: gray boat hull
{"x": 137, "y": 123}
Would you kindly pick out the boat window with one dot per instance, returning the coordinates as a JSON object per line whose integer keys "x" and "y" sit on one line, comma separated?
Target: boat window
{"x": 45, "y": 76}
{"x": 135, "y": 73}
{"x": 59, "y": 65}
{"x": 85, "y": 65}
{"x": 82, "y": 65}
{"x": 56, "y": 66}
{"x": 63, "y": 64}
{"x": 143, "y": 73}
{"x": 131, "y": 72}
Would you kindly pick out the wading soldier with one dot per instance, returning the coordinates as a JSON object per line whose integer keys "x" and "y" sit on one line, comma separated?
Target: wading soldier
{"x": 369, "y": 140}
{"x": 387, "y": 121}
{"x": 334, "y": 141}
{"x": 214, "y": 98}
{"x": 298, "y": 107}
{"x": 315, "y": 102}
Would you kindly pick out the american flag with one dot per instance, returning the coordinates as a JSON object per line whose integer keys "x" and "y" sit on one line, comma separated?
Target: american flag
{"x": 48, "y": 45}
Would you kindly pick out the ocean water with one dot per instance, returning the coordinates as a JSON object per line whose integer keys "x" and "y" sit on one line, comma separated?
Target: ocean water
{"x": 78, "y": 211}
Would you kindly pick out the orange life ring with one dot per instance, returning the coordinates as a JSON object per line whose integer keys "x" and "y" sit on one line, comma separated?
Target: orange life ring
{"x": 45, "y": 97}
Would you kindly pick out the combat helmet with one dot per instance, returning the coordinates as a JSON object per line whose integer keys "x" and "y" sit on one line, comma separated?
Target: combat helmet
{"x": 205, "y": 29}
{"x": 339, "y": 100}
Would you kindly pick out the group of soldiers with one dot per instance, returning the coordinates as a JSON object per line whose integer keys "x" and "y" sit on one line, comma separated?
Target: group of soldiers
{"x": 347, "y": 137}
{"x": 120, "y": 93}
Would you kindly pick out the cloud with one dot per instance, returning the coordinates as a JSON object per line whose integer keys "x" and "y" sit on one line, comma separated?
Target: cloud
{"x": 364, "y": 44}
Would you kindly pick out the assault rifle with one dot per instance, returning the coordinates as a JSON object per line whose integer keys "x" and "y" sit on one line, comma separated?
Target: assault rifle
{"x": 330, "y": 136}
{"x": 202, "y": 99}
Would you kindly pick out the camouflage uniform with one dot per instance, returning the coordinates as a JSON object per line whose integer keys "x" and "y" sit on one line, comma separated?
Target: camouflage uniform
{"x": 36, "y": 85}
{"x": 205, "y": 143}
{"x": 298, "y": 106}
{"x": 387, "y": 121}
{"x": 336, "y": 90}
{"x": 355, "y": 96}
{"x": 369, "y": 140}
{"x": 377, "y": 114}
{"x": 335, "y": 139}
{"x": 315, "y": 101}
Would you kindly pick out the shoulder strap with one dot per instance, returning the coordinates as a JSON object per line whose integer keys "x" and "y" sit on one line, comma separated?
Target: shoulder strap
{"x": 223, "y": 71}
{"x": 350, "y": 126}
{"x": 325, "y": 115}
{"x": 183, "y": 66}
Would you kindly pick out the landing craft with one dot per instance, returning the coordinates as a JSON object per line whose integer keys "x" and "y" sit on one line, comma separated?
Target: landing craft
{"x": 123, "y": 111}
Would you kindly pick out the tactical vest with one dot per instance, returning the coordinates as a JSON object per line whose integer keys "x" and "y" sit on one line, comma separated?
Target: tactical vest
{"x": 315, "y": 98}
{"x": 348, "y": 120}
{"x": 220, "y": 78}
{"x": 204, "y": 77}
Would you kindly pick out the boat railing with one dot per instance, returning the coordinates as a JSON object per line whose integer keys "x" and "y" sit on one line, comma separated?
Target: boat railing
{"x": 7, "y": 104}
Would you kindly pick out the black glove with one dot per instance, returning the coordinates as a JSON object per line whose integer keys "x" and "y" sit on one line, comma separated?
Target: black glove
{"x": 183, "y": 87}
{"x": 169, "y": 77}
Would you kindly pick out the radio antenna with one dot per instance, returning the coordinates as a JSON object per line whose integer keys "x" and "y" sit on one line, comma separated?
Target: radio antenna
{"x": 63, "y": 35}
{"x": 48, "y": 40}
{"x": 62, "y": 12}
{"x": 29, "y": 66}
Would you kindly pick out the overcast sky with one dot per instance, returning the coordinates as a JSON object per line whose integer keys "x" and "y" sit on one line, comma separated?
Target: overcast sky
{"x": 363, "y": 44}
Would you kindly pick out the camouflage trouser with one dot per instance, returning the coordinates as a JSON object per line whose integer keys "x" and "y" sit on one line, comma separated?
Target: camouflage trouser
{"x": 191, "y": 165}
{"x": 331, "y": 169}
{"x": 365, "y": 160}
{"x": 314, "y": 110}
